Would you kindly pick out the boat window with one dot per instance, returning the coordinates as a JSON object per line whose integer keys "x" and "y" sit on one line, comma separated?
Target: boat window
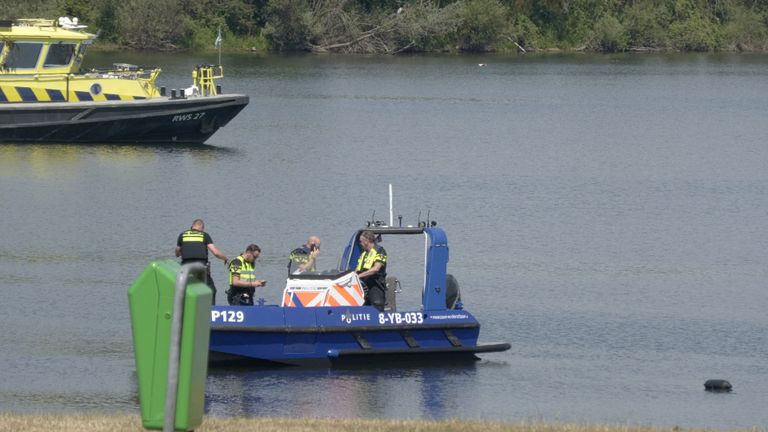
{"x": 59, "y": 54}
{"x": 23, "y": 55}
{"x": 81, "y": 52}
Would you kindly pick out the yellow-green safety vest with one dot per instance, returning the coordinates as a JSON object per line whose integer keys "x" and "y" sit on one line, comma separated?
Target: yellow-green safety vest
{"x": 246, "y": 271}
{"x": 369, "y": 258}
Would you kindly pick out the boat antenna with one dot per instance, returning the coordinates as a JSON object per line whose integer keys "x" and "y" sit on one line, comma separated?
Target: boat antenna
{"x": 217, "y": 43}
{"x": 427, "y": 221}
{"x": 373, "y": 219}
{"x": 391, "y": 220}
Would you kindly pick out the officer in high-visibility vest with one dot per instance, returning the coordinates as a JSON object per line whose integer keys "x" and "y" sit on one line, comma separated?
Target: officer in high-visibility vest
{"x": 242, "y": 277}
{"x": 302, "y": 259}
{"x": 193, "y": 246}
{"x": 372, "y": 270}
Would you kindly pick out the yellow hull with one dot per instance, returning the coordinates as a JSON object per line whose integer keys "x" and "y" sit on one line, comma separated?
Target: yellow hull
{"x": 73, "y": 88}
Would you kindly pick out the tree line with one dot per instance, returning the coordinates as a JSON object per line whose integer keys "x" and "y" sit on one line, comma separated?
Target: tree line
{"x": 399, "y": 26}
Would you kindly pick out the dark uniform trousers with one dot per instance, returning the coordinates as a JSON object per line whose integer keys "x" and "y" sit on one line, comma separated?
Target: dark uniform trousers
{"x": 209, "y": 280}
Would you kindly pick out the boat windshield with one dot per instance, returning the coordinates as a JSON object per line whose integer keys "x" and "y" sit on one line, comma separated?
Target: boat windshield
{"x": 59, "y": 54}
{"x": 23, "y": 55}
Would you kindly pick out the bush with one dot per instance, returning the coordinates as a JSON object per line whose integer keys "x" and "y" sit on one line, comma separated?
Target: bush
{"x": 609, "y": 35}
{"x": 424, "y": 26}
{"x": 694, "y": 34}
{"x": 745, "y": 30}
{"x": 288, "y": 26}
{"x": 152, "y": 24}
{"x": 481, "y": 24}
{"x": 647, "y": 25}
{"x": 30, "y": 9}
{"x": 525, "y": 33}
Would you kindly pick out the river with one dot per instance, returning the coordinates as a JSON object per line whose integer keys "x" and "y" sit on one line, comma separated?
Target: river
{"x": 606, "y": 216}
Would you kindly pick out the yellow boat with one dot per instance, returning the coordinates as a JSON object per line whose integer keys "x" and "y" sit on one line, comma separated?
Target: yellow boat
{"x": 45, "y": 98}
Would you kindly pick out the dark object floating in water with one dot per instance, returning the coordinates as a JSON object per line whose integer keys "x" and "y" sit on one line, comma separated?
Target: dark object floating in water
{"x": 717, "y": 385}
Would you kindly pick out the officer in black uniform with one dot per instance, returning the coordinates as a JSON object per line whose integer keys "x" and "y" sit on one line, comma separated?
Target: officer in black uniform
{"x": 193, "y": 246}
{"x": 302, "y": 259}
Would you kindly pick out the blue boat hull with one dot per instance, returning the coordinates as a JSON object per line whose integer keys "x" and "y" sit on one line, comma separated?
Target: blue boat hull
{"x": 342, "y": 335}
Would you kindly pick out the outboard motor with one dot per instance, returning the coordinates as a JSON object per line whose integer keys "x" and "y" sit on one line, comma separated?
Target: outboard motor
{"x": 452, "y": 293}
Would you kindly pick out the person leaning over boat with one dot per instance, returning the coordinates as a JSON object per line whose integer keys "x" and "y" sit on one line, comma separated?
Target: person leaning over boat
{"x": 242, "y": 277}
{"x": 193, "y": 246}
{"x": 372, "y": 270}
{"x": 303, "y": 258}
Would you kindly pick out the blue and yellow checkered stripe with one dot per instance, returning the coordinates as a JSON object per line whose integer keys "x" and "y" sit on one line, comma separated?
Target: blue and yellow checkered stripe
{"x": 30, "y": 94}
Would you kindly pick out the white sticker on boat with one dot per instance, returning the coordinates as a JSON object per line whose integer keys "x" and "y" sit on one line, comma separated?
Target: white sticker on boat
{"x": 349, "y": 317}
{"x": 449, "y": 317}
{"x": 401, "y": 318}
{"x": 227, "y": 316}
{"x": 188, "y": 117}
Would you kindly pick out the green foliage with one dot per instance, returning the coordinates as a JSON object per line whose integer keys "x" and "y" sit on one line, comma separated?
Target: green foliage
{"x": 12, "y": 9}
{"x": 423, "y": 26}
{"x": 85, "y": 10}
{"x": 684, "y": 10}
{"x": 394, "y": 26}
{"x": 694, "y": 34}
{"x": 106, "y": 21}
{"x": 235, "y": 15}
{"x": 746, "y": 30}
{"x": 526, "y": 33}
{"x": 610, "y": 35}
{"x": 151, "y": 24}
{"x": 647, "y": 24}
{"x": 288, "y": 26}
{"x": 482, "y": 23}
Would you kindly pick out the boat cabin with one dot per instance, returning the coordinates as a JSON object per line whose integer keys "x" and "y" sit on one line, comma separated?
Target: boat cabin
{"x": 39, "y": 46}
{"x": 343, "y": 288}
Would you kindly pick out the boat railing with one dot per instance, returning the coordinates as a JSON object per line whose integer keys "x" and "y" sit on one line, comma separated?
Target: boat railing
{"x": 204, "y": 78}
{"x": 123, "y": 73}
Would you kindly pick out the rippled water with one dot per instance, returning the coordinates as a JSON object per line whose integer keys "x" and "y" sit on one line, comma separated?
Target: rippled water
{"x": 606, "y": 216}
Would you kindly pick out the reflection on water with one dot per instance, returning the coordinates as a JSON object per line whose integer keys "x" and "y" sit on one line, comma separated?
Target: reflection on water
{"x": 396, "y": 392}
{"x": 48, "y": 152}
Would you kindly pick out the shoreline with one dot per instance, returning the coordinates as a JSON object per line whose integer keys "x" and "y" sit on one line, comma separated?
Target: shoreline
{"x": 125, "y": 422}
{"x": 110, "y": 47}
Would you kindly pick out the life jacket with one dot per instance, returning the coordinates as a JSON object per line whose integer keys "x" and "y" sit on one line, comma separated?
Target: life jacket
{"x": 246, "y": 271}
{"x": 298, "y": 257}
{"x": 368, "y": 259}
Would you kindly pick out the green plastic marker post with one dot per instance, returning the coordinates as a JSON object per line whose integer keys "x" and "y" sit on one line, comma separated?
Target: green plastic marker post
{"x": 154, "y": 299}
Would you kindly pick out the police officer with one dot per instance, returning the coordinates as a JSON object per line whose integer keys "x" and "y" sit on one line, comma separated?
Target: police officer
{"x": 193, "y": 246}
{"x": 242, "y": 277}
{"x": 302, "y": 259}
{"x": 372, "y": 270}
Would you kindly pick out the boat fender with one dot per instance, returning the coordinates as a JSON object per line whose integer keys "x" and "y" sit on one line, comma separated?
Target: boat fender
{"x": 452, "y": 292}
{"x": 717, "y": 385}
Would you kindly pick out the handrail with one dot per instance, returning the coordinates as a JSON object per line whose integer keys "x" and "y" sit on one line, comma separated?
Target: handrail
{"x": 199, "y": 270}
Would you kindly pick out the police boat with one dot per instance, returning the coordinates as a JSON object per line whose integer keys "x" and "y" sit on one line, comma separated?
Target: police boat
{"x": 322, "y": 320}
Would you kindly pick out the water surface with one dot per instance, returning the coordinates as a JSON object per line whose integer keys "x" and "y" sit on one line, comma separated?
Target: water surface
{"x": 606, "y": 216}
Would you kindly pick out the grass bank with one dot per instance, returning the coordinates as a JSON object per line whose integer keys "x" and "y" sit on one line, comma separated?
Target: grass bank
{"x": 83, "y": 422}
